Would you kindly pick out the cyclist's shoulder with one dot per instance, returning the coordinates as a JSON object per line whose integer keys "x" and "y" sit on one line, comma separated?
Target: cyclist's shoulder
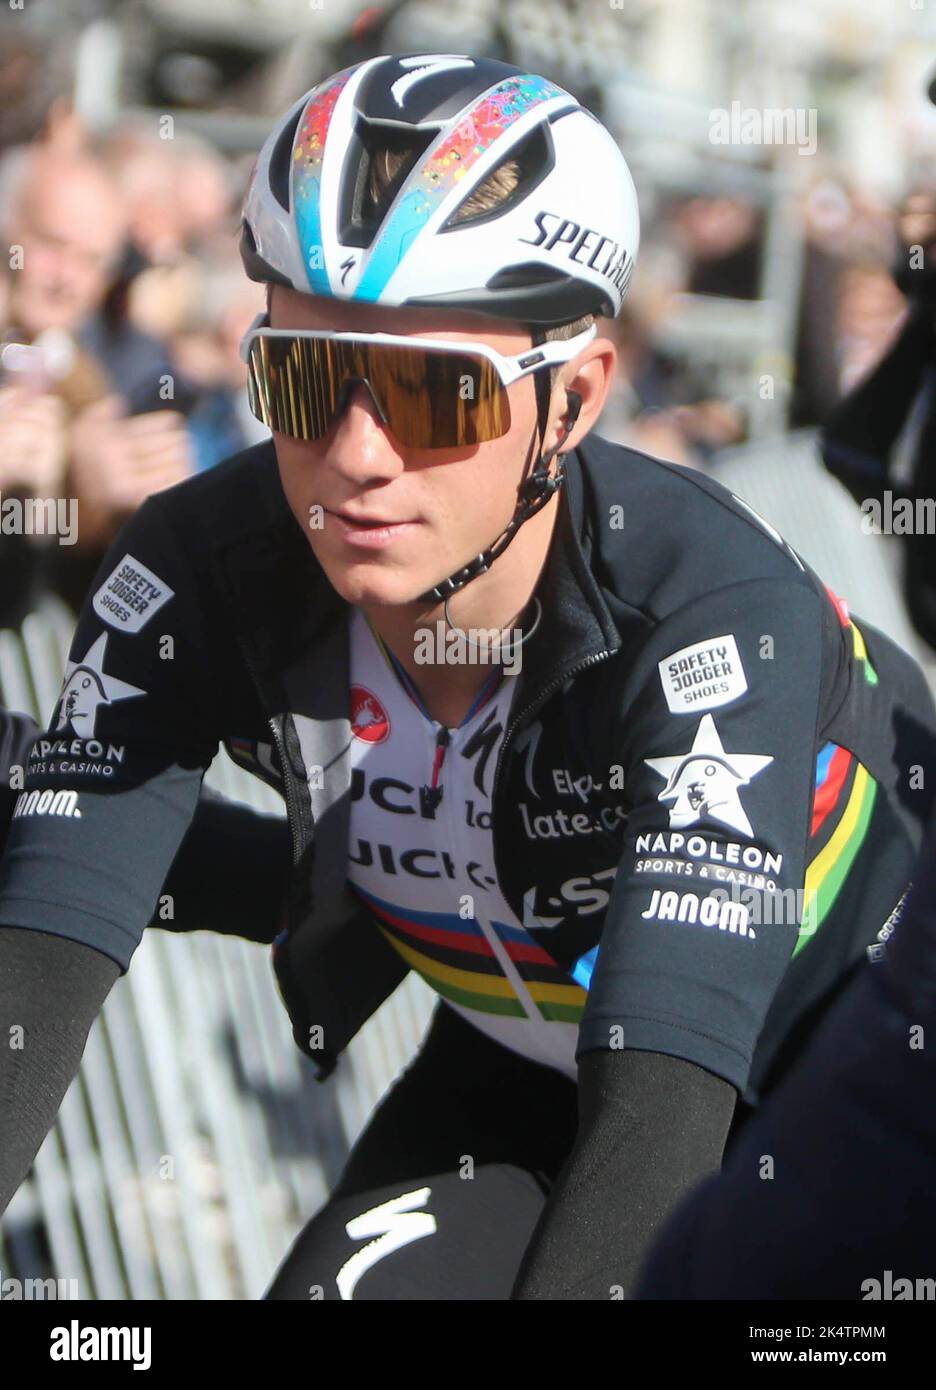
{"x": 241, "y": 493}
{"x": 233, "y": 518}
{"x": 664, "y": 534}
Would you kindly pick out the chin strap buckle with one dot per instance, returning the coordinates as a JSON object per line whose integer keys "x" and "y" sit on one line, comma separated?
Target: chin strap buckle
{"x": 533, "y": 494}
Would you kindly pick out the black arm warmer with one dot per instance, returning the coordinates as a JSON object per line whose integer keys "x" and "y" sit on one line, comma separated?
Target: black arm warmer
{"x": 650, "y": 1128}
{"x": 231, "y": 873}
{"x": 848, "y": 1196}
{"x": 51, "y": 991}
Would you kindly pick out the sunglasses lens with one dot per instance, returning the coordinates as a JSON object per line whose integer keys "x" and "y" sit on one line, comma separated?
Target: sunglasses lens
{"x": 288, "y": 386}
{"x": 430, "y": 399}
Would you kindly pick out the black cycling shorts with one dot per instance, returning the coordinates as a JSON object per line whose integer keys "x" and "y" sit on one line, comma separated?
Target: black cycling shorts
{"x": 440, "y": 1194}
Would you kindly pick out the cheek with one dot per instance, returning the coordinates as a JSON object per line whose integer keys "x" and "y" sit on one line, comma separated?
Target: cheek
{"x": 485, "y": 486}
{"x": 297, "y": 475}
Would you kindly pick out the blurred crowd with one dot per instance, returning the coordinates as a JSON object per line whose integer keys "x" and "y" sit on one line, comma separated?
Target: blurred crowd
{"x": 120, "y": 318}
{"x": 123, "y": 302}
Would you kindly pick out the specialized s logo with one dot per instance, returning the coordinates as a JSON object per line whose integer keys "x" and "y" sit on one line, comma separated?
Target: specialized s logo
{"x": 87, "y": 686}
{"x": 394, "y": 1224}
{"x": 370, "y": 722}
{"x": 705, "y": 781}
{"x": 529, "y": 740}
{"x": 426, "y": 67}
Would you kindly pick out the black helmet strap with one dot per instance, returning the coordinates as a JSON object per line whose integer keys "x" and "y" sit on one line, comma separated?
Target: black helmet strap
{"x": 534, "y": 492}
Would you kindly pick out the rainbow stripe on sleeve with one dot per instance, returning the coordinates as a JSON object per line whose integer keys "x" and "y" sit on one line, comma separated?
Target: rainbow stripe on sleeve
{"x": 844, "y": 800}
{"x": 858, "y": 642}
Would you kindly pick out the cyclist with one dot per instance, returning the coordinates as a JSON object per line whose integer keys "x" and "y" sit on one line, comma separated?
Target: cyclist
{"x": 557, "y": 725}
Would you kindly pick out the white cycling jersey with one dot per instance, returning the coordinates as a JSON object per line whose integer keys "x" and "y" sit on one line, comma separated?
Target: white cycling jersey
{"x": 424, "y": 862}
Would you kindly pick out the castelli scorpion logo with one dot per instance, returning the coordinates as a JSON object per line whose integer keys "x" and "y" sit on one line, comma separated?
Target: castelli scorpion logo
{"x": 369, "y": 720}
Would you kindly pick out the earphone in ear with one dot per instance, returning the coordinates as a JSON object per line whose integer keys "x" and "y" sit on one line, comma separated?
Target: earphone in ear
{"x": 575, "y": 405}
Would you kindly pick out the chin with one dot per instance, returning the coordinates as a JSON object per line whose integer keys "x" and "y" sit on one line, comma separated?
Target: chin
{"x": 371, "y": 585}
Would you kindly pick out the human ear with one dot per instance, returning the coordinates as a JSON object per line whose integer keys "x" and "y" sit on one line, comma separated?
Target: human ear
{"x": 579, "y": 397}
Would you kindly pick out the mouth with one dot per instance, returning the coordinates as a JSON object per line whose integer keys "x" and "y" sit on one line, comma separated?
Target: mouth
{"x": 359, "y": 520}
{"x": 367, "y": 530}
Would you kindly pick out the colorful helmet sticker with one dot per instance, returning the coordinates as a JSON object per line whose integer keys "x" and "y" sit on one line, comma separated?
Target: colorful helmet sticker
{"x": 446, "y": 166}
{"x": 308, "y": 153}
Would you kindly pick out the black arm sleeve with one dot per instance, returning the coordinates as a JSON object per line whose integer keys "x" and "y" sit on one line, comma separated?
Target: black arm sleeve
{"x": 230, "y": 874}
{"x": 830, "y": 1186}
{"x": 51, "y": 991}
{"x": 651, "y": 1126}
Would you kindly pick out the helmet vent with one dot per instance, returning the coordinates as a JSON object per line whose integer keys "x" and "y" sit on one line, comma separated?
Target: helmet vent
{"x": 281, "y": 161}
{"x": 534, "y": 158}
{"x": 521, "y": 276}
{"x": 360, "y": 212}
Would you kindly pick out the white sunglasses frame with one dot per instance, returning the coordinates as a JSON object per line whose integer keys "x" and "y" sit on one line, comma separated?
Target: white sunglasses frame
{"x": 510, "y": 369}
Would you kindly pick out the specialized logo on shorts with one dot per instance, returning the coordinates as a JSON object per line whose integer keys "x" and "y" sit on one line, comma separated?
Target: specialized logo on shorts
{"x": 130, "y": 596}
{"x": 393, "y": 1224}
{"x": 47, "y": 803}
{"x": 703, "y": 676}
{"x": 705, "y": 781}
{"x": 370, "y": 722}
{"x": 87, "y": 686}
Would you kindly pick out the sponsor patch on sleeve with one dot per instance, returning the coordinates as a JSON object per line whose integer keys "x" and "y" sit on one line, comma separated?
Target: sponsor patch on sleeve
{"x": 703, "y": 676}
{"x": 130, "y": 596}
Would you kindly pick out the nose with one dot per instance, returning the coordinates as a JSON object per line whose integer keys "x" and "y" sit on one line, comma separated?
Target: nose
{"x": 360, "y": 445}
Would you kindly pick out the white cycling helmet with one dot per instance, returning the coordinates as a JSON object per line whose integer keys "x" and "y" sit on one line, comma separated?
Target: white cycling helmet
{"x": 560, "y": 246}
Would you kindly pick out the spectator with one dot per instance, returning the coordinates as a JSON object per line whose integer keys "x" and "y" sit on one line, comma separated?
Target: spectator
{"x": 860, "y": 443}
{"x": 209, "y": 353}
{"x": 67, "y": 216}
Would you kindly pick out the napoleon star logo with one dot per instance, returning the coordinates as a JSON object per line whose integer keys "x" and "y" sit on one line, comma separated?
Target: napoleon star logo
{"x": 87, "y": 686}
{"x": 705, "y": 781}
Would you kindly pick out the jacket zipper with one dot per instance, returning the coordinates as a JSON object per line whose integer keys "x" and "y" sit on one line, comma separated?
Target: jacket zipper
{"x": 431, "y": 795}
{"x": 531, "y": 708}
{"x": 292, "y": 810}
